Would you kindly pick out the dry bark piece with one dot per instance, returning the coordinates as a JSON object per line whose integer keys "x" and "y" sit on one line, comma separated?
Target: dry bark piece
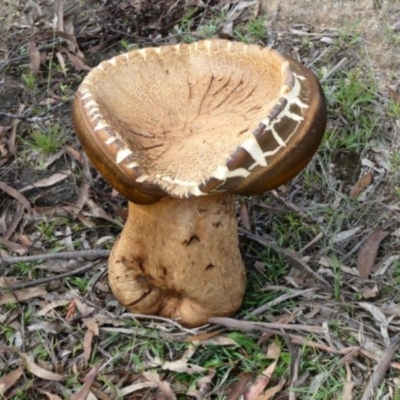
{"x": 179, "y": 130}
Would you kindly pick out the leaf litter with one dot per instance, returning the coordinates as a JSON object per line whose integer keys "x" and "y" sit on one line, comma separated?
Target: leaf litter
{"x": 76, "y": 322}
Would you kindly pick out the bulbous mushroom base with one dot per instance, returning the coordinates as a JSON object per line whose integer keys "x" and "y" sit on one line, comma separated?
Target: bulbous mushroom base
{"x": 179, "y": 259}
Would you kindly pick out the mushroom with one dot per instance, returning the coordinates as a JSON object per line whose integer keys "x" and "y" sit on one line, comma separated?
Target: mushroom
{"x": 179, "y": 130}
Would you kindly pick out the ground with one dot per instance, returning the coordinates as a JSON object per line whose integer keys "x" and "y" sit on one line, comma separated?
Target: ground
{"x": 320, "y": 319}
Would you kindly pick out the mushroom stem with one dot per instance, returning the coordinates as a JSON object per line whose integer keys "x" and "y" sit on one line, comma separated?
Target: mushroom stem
{"x": 179, "y": 258}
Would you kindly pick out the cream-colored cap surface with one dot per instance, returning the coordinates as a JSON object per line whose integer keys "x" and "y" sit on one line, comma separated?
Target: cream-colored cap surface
{"x": 190, "y": 120}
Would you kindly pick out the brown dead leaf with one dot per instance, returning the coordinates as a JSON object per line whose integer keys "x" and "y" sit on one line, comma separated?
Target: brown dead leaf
{"x": 258, "y": 386}
{"x": 367, "y": 254}
{"x": 78, "y": 63}
{"x": 74, "y": 153}
{"x": 393, "y": 93}
{"x": 273, "y": 351}
{"x": 17, "y": 195}
{"x": 34, "y": 58}
{"x": 71, "y": 310}
{"x": 244, "y": 216}
{"x": 21, "y": 295}
{"x": 271, "y": 392}
{"x": 163, "y": 386}
{"x": 92, "y": 324}
{"x": 89, "y": 379}
{"x": 15, "y": 247}
{"x": 72, "y": 43}
{"x": 51, "y": 180}
{"x": 9, "y": 380}
{"x": 61, "y": 61}
{"x": 51, "y": 306}
{"x": 40, "y": 372}
{"x": 98, "y": 212}
{"x": 87, "y": 344}
{"x": 83, "y": 308}
{"x": 237, "y": 389}
{"x": 49, "y": 395}
{"x": 93, "y": 329}
{"x": 362, "y": 184}
{"x": 369, "y": 293}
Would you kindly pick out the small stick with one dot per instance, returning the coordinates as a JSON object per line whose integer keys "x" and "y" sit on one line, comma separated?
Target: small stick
{"x": 66, "y": 255}
{"x": 280, "y": 299}
{"x": 295, "y": 262}
{"x": 339, "y": 65}
{"x": 38, "y": 118}
{"x": 38, "y": 282}
{"x": 262, "y": 326}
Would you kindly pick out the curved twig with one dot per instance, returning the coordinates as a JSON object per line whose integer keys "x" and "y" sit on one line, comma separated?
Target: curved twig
{"x": 38, "y": 282}
{"x": 66, "y": 255}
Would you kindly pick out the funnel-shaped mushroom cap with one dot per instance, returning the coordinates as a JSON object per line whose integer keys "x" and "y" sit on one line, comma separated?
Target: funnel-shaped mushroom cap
{"x": 190, "y": 120}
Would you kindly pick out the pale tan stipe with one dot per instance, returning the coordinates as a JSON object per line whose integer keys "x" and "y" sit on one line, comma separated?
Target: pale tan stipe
{"x": 191, "y": 269}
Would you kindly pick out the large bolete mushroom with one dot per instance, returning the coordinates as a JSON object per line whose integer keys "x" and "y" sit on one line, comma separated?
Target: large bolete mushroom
{"x": 179, "y": 130}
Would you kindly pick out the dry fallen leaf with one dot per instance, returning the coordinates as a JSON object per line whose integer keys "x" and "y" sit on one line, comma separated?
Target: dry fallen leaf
{"x": 78, "y": 63}
{"x": 61, "y": 62}
{"x": 51, "y": 306}
{"x": 237, "y": 389}
{"x": 34, "y": 58}
{"x": 163, "y": 386}
{"x": 93, "y": 329}
{"x": 21, "y": 295}
{"x": 393, "y": 93}
{"x": 74, "y": 153}
{"x": 87, "y": 344}
{"x": 257, "y": 387}
{"x": 361, "y": 184}
{"x": 345, "y": 235}
{"x": 182, "y": 365}
{"x": 367, "y": 254}
{"x": 49, "y": 395}
{"x": 271, "y": 392}
{"x": 98, "y": 212}
{"x": 16, "y": 194}
{"x": 219, "y": 340}
{"x": 204, "y": 386}
{"x": 51, "y": 180}
{"x": 89, "y": 379}
{"x": 381, "y": 368}
{"x": 135, "y": 387}
{"x": 244, "y": 216}
{"x": 9, "y": 380}
{"x": 379, "y": 317}
{"x": 39, "y": 371}
{"x": 71, "y": 310}
{"x": 347, "y": 393}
